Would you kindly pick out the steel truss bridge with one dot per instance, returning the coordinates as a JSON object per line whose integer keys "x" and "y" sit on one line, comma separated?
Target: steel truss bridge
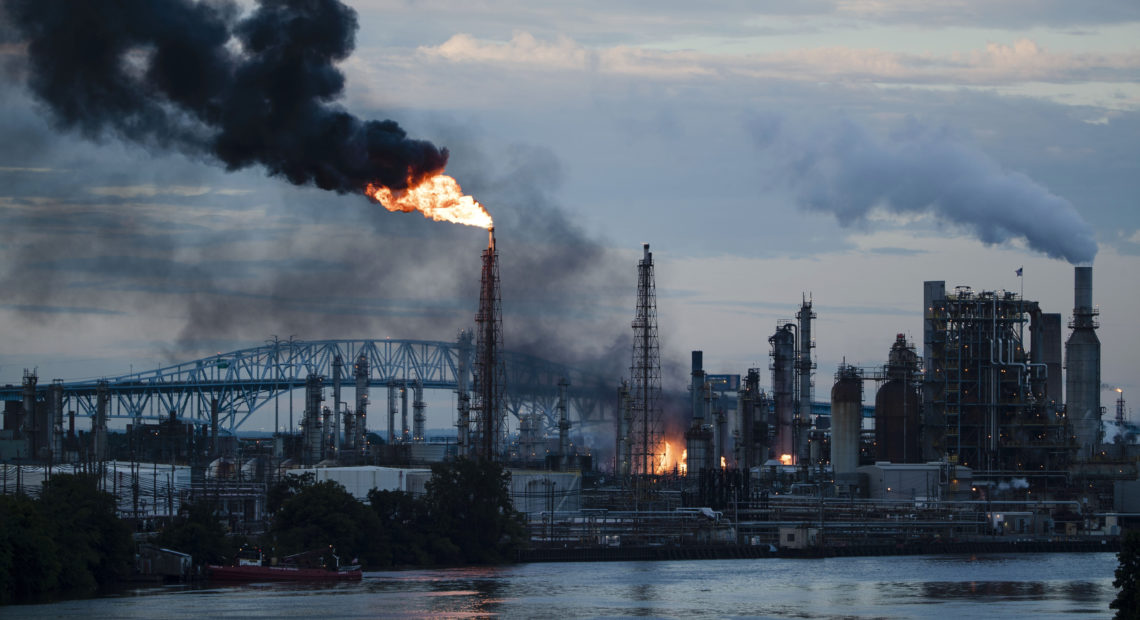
{"x": 245, "y": 381}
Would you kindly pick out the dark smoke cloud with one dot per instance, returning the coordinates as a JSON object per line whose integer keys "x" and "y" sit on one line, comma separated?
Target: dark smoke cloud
{"x": 196, "y": 78}
{"x": 840, "y": 168}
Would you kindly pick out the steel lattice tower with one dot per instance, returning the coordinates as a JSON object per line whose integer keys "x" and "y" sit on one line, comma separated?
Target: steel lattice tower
{"x": 645, "y": 373}
{"x": 489, "y": 369}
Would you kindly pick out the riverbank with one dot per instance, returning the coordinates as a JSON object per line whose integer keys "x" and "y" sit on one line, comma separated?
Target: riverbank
{"x": 720, "y": 552}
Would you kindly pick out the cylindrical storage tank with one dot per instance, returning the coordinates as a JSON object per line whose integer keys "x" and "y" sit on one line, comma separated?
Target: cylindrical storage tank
{"x": 897, "y": 437}
{"x": 846, "y": 422}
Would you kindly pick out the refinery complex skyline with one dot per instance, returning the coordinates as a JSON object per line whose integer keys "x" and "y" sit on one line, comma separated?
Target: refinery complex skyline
{"x": 848, "y": 152}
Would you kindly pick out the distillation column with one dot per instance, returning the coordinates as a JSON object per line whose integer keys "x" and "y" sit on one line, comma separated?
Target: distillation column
{"x": 463, "y": 398}
{"x": 99, "y": 422}
{"x": 338, "y": 369}
{"x": 314, "y": 395}
{"x": 624, "y": 418}
{"x": 55, "y": 400}
{"x": 360, "y": 427}
{"x": 563, "y": 427}
{"x": 31, "y": 418}
{"x": 392, "y": 410}
{"x": 418, "y": 416}
{"x": 783, "y": 391}
{"x": 405, "y": 432}
{"x": 804, "y": 367}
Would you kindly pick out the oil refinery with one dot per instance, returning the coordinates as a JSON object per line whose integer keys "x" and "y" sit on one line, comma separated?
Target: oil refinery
{"x": 992, "y": 432}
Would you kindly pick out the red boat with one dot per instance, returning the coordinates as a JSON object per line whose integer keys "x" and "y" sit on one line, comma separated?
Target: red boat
{"x": 301, "y": 567}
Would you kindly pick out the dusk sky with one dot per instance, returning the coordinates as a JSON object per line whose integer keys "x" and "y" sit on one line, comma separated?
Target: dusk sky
{"x": 846, "y": 150}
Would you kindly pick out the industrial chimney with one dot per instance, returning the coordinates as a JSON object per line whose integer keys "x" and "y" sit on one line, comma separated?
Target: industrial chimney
{"x": 1082, "y": 362}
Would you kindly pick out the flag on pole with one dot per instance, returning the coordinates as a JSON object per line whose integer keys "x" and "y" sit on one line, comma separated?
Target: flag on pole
{"x": 1019, "y": 271}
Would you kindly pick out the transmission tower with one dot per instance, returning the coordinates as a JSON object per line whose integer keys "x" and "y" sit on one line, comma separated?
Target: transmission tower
{"x": 490, "y": 370}
{"x": 645, "y": 373}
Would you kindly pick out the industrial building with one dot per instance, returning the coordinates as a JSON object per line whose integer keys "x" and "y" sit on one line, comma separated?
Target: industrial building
{"x": 988, "y": 416}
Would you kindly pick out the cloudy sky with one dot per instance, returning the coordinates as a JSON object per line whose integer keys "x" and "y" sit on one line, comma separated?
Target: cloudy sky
{"x": 846, "y": 150}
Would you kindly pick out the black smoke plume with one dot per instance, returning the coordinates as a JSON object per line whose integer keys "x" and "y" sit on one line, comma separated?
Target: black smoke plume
{"x": 194, "y": 77}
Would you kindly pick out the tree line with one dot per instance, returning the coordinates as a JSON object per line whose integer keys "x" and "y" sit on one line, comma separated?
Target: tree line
{"x": 464, "y": 517}
{"x": 67, "y": 542}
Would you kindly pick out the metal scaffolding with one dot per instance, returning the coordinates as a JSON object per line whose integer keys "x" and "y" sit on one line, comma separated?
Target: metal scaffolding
{"x": 490, "y": 372}
{"x": 645, "y": 373}
{"x": 984, "y": 387}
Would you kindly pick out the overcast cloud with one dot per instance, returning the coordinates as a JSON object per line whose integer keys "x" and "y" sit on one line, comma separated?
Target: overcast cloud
{"x": 765, "y": 150}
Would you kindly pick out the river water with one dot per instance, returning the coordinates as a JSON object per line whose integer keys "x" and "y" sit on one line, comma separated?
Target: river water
{"x": 1061, "y": 585}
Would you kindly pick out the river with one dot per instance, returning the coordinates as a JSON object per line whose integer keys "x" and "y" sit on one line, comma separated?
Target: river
{"x": 1068, "y": 585}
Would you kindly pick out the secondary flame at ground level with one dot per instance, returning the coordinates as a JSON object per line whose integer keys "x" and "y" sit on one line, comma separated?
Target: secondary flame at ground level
{"x": 438, "y": 197}
{"x": 785, "y": 459}
{"x": 669, "y": 461}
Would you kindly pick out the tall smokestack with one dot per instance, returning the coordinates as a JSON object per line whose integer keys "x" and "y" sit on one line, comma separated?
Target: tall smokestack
{"x": 1082, "y": 361}
{"x": 490, "y": 369}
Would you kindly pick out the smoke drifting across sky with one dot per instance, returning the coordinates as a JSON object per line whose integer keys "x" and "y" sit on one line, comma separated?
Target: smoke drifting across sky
{"x": 259, "y": 90}
{"x": 841, "y": 168}
{"x": 193, "y": 77}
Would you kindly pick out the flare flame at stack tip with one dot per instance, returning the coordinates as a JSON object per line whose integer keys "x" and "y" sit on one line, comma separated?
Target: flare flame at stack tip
{"x": 437, "y": 197}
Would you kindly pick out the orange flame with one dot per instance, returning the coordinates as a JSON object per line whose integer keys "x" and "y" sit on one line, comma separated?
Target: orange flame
{"x": 438, "y": 197}
{"x": 669, "y": 461}
{"x": 666, "y": 451}
{"x": 723, "y": 464}
{"x": 785, "y": 459}
{"x": 683, "y": 466}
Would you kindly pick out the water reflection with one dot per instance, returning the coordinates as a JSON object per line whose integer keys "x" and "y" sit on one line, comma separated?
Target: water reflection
{"x": 1012, "y": 590}
{"x": 1076, "y": 585}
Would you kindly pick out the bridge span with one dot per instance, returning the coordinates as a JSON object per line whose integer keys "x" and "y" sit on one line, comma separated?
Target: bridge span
{"x": 245, "y": 381}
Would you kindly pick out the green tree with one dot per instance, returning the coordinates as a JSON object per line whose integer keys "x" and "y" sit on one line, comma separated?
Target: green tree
{"x": 197, "y": 531}
{"x": 96, "y": 545}
{"x": 1127, "y": 602}
{"x": 286, "y": 487}
{"x": 401, "y": 539}
{"x": 29, "y": 557}
{"x": 326, "y": 514}
{"x": 470, "y": 515}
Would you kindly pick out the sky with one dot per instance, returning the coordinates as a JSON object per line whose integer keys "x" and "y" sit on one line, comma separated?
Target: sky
{"x": 767, "y": 151}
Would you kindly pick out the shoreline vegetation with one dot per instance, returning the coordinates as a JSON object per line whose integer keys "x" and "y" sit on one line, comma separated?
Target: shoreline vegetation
{"x": 69, "y": 543}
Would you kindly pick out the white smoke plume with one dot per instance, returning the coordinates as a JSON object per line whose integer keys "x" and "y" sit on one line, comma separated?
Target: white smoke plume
{"x": 841, "y": 168}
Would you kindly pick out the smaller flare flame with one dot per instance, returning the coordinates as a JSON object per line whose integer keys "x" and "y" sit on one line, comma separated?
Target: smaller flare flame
{"x": 438, "y": 197}
{"x": 785, "y": 459}
{"x": 683, "y": 465}
{"x": 723, "y": 464}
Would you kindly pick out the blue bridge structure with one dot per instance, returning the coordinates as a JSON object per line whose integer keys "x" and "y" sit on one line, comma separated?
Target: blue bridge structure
{"x": 242, "y": 382}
